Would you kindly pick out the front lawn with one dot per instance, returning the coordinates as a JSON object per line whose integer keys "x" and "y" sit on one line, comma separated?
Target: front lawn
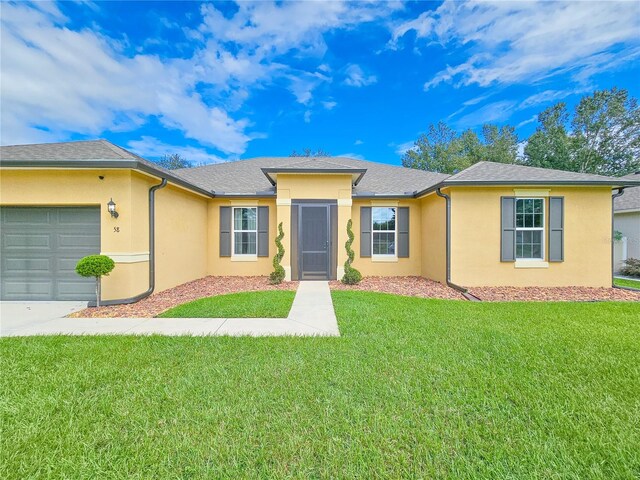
{"x": 268, "y": 304}
{"x": 413, "y": 388}
{"x": 624, "y": 282}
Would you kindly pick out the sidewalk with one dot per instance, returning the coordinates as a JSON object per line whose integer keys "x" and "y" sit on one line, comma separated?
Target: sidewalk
{"x": 311, "y": 314}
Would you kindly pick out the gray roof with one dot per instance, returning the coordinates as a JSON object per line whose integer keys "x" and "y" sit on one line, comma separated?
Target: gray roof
{"x": 246, "y": 176}
{"x": 630, "y": 200}
{"x": 503, "y": 173}
{"x": 85, "y": 154}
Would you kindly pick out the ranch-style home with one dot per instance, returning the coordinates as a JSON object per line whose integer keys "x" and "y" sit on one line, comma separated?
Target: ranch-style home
{"x": 489, "y": 225}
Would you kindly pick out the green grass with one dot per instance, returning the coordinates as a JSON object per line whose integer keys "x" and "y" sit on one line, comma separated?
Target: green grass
{"x": 623, "y": 282}
{"x": 269, "y": 304}
{"x": 413, "y": 389}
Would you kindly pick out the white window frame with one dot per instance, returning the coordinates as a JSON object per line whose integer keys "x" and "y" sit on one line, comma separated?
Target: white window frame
{"x": 233, "y": 233}
{"x": 395, "y": 235}
{"x": 532, "y": 229}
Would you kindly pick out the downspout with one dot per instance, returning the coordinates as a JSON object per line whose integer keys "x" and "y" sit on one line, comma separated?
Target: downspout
{"x": 462, "y": 290}
{"x": 152, "y": 253}
{"x": 619, "y": 193}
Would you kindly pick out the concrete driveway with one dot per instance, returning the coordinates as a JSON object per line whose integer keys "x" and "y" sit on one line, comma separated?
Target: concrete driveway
{"x": 17, "y": 316}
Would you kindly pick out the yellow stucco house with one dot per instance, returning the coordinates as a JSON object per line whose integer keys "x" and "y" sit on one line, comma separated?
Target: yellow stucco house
{"x": 489, "y": 225}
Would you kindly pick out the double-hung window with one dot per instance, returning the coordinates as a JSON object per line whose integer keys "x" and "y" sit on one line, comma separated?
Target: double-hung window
{"x": 530, "y": 228}
{"x": 245, "y": 230}
{"x": 383, "y": 230}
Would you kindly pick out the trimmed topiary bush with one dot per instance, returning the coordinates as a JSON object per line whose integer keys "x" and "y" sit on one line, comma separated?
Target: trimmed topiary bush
{"x": 95, "y": 266}
{"x": 351, "y": 275}
{"x": 631, "y": 267}
{"x": 277, "y": 276}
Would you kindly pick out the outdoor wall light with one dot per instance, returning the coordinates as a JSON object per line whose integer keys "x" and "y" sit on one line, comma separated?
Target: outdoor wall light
{"x": 112, "y": 208}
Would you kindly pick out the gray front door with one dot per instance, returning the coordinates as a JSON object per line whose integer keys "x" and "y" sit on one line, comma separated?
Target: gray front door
{"x": 314, "y": 242}
{"x": 39, "y": 249}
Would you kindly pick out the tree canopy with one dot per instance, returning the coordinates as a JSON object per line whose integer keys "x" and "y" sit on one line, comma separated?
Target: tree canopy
{"x": 308, "y": 152}
{"x": 442, "y": 149}
{"x": 174, "y": 161}
{"x": 600, "y": 135}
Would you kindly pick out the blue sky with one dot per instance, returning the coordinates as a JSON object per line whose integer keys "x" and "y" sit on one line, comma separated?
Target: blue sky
{"x": 221, "y": 81}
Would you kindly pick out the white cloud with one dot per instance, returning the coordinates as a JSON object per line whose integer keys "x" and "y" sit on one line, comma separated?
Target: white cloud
{"x": 517, "y": 42}
{"x": 403, "y": 148}
{"x": 490, "y": 113}
{"x": 356, "y": 77}
{"x": 529, "y": 120}
{"x": 307, "y": 116}
{"x": 150, "y": 147}
{"x": 58, "y": 82}
{"x": 355, "y": 156}
{"x": 329, "y": 105}
{"x": 358, "y": 142}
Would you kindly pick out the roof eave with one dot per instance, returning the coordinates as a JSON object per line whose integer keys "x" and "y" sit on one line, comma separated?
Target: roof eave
{"x": 108, "y": 164}
{"x": 267, "y": 171}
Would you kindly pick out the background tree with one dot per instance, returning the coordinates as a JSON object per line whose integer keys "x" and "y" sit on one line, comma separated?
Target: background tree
{"x": 174, "y": 161}
{"x": 550, "y": 145}
{"x": 307, "y": 152}
{"x": 443, "y": 150}
{"x": 606, "y": 133}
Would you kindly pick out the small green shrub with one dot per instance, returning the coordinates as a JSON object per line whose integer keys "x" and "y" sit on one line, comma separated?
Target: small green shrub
{"x": 617, "y": 235}
{"x": 277, "y": 276}
{"x": 95, "y": 266}
{"x": 351, "y": 275}
{"x": 631, "y": 267}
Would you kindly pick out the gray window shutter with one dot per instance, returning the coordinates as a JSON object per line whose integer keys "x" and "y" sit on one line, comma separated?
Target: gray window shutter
{"x": 365, "y": 231}
{"x": 556, "y": 229}
{"x": 225, "y": 231}
{"x": 403, "y": 232}
{"x": 508, "y": 229}
{"x": 263, "y": 231}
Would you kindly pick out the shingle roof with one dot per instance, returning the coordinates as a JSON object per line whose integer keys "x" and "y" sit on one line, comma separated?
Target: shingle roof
{"x": 630, "y": 200}
{"x": 69, "y": 151}
{"x": 497, "y": 173}
{"x": 246, "y": 177}
{"x": 85, "y": 154}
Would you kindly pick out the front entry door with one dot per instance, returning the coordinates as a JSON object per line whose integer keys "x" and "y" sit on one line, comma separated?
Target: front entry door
{"x": 314, "y": 242}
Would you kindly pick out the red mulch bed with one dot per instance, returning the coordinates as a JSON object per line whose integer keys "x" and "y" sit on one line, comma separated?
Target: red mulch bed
{"x": 187, "y": 292}
{"x": 409, "y": 286}
{"x": 553, "y": 294}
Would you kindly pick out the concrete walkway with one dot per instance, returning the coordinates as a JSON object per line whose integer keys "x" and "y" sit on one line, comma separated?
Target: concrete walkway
{"x": 311, "y": 314}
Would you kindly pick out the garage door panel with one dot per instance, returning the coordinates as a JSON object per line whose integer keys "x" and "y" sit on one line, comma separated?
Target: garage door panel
{"x": 69, "y": 290}
{"x": 76, "y": 242}
{"x": 35, "y": 266}
{"x": 40, "y": 248}
{"x": 27, "y": 216}
{"x": 85, "y": 217}
{"x": 27, "y": 240}
{"x": 27, "y": 289}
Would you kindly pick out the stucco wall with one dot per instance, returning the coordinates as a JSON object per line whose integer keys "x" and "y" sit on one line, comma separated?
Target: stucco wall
{"x": 370, "y": 266}
{"x": 314, "y": 187}
{"x": 218, "y": 265}
{"x": 475, "y": 246}
{"x": 180, "y": 221}
{"x": 433, "y": 239}
{"x": 629, "y": 225}
{"x": 84, "y": 187}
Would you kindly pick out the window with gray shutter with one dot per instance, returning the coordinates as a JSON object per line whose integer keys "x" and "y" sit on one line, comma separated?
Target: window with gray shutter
{"x": 263, "y": 231}
{"x": 556, "y": 229}
{"x": 508, "y": 229}
{"x": 365, "y": 231}
{"x": 403, "y": 232}
{"x": 225, "y": 231}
